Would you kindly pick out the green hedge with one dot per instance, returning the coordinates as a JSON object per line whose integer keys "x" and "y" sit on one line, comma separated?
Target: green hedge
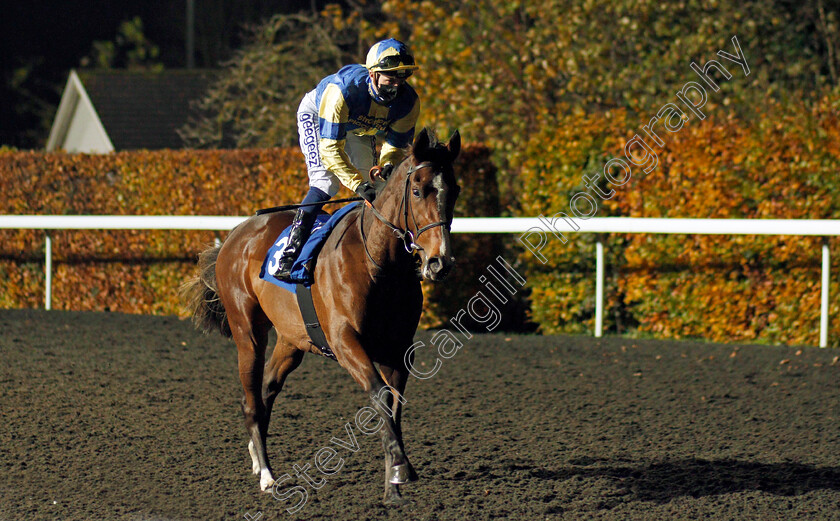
{"x": 781, "y": 163}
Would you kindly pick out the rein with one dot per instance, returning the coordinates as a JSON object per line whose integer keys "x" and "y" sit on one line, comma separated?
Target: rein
{"x": 406, "y": 236}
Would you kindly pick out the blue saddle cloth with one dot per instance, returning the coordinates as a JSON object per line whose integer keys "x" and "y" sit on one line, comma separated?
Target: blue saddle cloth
{"x": 304, "y": 267}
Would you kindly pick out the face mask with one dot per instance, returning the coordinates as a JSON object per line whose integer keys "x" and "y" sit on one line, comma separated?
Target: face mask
{"x": 388, "y": 92}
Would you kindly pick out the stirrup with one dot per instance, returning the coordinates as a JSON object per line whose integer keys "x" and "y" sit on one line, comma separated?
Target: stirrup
{"x": 284, "y": 277}
{"x": 285, "y": 273}
{"x": 287, "y": 261}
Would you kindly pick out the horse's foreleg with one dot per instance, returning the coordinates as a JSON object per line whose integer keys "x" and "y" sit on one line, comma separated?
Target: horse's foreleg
{"x": 396, "y": 379}
{"x": 250, "y": 344}
{"x": 354, "y": 358}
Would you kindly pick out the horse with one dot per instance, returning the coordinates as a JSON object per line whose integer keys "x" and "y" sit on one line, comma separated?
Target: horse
{"x": 366, "y": 293}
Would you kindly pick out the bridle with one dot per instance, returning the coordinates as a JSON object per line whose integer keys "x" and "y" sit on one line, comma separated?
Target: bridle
{"x": 407, "y": 236}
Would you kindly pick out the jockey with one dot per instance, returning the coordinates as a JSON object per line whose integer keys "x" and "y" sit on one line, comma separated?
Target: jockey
{"x": 337, "y": 125}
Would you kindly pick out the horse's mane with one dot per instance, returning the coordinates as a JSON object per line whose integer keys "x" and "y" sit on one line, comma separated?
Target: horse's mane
{"x": 436, "y": 152}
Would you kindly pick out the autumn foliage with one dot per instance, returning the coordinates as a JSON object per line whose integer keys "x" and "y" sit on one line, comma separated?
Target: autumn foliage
{"x": 557, "y": 88}
{"x": 138, "y": 271}
{"x": 552, "y": 90}
{"x": 129, "y": 271}
{"x": 782, "y": 163}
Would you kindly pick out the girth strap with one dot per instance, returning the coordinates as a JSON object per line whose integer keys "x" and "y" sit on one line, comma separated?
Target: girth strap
{"x": 310, "y": 320}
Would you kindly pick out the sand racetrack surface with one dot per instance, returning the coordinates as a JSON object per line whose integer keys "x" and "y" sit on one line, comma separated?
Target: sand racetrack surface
{"x": 111, "y": 416}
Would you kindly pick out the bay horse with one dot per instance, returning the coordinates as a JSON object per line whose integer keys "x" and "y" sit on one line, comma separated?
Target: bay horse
{"x": 366, "y": 293}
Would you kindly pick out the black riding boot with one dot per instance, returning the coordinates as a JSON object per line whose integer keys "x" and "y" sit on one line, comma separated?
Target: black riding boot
{"x": 301, "y": 228}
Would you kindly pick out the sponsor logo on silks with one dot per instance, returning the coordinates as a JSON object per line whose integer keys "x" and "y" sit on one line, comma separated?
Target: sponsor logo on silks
{"x": 365, "y": 121}
{"x": 310, "y": 140}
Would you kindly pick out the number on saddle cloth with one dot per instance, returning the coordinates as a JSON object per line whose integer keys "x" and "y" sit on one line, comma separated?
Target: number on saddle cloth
{"x": 304, "y": 266}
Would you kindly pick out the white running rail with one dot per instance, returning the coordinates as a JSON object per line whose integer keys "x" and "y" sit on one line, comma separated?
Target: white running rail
{"x": 520, "y": 225}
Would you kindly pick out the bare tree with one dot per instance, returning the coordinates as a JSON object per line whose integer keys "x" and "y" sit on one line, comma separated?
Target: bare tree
{"x": 253, "y": 103}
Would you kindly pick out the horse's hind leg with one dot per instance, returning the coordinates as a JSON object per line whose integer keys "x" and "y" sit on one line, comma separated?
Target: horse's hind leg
{"x": 396, "y": 379}
{"x": 251, "y": 340}
{"x": 285, "y": 359}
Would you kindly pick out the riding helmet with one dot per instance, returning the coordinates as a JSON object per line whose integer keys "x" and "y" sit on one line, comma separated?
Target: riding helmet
{"x": 391, "y": 57}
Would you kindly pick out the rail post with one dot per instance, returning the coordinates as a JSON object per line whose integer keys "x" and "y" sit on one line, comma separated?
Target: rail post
{"x": 599, "y": 288}
{"x": 48, "y": 271}
{"x": 824, "y": 290}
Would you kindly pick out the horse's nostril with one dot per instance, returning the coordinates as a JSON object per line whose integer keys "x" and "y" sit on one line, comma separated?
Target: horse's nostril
{"x": 439, "y": 267}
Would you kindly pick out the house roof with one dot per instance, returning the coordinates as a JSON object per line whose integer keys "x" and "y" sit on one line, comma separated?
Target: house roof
{"x": 136, "y": 109}
{"x": 76, "y": 127}
{"x": 144, "y": 109}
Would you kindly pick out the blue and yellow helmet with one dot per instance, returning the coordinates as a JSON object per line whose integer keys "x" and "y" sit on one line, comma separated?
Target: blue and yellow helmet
{"x": 391, "y": 57}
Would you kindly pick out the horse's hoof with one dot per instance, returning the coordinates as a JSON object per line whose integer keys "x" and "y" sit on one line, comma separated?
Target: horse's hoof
{"x": 401, "y": 474}
{"x": 266, "y": 481}
{"x": 395, "y": 501}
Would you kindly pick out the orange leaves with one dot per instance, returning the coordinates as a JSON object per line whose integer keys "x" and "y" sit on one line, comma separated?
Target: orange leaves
{"x": 755, "y": 288}
{"x": 97, "y": 270}
{"x": 339, "y": 18}
{"x": 136, "y": 271}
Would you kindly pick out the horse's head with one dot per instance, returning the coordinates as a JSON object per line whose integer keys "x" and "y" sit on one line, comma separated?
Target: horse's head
{"x": 428, "y": 201}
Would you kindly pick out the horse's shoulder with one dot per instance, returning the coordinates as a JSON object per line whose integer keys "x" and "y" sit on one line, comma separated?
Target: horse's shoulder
{"x": 347, "y": 223}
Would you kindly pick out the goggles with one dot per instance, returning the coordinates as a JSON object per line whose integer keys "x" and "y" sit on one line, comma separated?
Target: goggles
{"x": 399, "y": 65}
{"x": 401, "y": 73}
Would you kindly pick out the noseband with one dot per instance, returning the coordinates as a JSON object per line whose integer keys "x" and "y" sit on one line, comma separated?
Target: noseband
{"x": 407, "y": 236}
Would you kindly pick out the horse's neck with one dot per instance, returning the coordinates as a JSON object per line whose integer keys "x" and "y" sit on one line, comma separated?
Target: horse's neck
{"x": 384, "y": 247}
{"x": 390, "y": 200}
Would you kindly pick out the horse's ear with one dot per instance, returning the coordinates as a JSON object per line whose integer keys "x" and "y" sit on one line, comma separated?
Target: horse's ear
{"x": 454, "y": 144}
{"x": 421, "y": 143}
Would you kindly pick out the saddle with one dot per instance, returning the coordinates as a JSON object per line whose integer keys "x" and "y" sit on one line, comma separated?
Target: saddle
{"x": 303, "y": 272}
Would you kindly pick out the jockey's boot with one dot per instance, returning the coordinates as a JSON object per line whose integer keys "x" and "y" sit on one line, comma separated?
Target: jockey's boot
{"x": 301, "y": 228}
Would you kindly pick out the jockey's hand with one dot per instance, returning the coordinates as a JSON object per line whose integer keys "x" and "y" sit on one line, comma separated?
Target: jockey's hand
{"x": 367, "y": 191}
{"x": 386, "y": 170}
{"x": 381, "y": 173}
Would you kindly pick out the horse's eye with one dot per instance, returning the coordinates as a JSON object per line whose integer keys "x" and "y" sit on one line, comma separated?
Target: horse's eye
{"x": 415, "y": 192}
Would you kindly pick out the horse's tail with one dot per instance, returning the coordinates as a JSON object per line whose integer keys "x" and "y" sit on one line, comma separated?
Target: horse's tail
{"x": 202, "y": 295}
